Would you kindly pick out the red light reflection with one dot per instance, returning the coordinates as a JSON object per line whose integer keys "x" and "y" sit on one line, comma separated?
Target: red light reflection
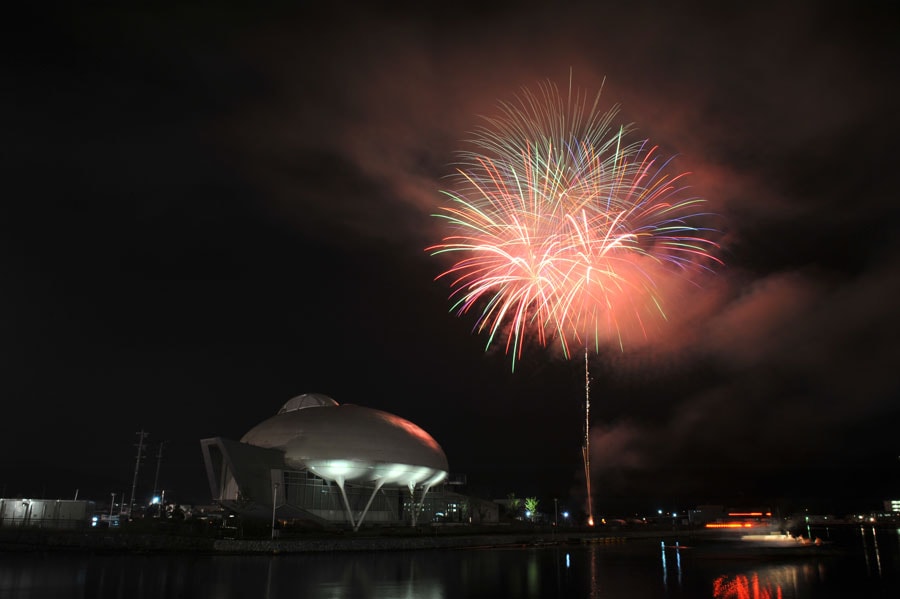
{"x": 742, "y": 587}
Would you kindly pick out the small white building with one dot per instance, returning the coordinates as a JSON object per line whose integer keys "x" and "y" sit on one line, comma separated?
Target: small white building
{"x": 45, "y": 513}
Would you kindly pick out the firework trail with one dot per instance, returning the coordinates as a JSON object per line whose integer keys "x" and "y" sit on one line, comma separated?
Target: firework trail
{"x": 562, "y": 228}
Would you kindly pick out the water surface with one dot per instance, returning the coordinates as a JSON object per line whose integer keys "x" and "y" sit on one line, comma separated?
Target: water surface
{"x": 859, "y": 563}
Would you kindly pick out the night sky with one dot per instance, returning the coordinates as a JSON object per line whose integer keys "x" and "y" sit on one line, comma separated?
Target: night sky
{"x": 208, "y": 210}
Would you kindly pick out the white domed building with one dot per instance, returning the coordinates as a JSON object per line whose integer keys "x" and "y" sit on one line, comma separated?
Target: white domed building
{"x": 322, "y": 461}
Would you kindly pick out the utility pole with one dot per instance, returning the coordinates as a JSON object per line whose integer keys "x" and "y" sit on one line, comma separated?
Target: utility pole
{"x": 158, "y": 461}
{"x": 137, "y": 464}
{"x": 156, "y": 492}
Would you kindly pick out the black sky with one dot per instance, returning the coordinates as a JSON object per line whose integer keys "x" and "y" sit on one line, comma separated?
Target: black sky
{"x": 210, "y": 209}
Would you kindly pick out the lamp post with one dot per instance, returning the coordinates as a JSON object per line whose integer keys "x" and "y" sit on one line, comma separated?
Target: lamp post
{"x": 274, "y": 502}
{"x": 112, "y": 504}
{"x": 556, "y": 512}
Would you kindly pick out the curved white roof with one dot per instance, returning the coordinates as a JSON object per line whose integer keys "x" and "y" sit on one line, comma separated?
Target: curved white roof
{"x": 351, "y": 443}
{"x": 307, "y": 400}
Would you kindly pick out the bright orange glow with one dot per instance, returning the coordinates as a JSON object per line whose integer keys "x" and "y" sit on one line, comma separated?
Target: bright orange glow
{"x": 591, "y": 521}
{"x": 757, "y": 514}
{"x": 730, "y": 525}
{"x": 411, "y": 428}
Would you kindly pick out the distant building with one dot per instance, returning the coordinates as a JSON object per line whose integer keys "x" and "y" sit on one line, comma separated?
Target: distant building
{"x": 45, "y": 513}
{"x": 703, "y": 514}
{"x": 319, "y": 461}
{"x": 892, "y": 506}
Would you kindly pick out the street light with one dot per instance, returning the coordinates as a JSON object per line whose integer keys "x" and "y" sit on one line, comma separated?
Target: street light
{"x": 566, "y": 518}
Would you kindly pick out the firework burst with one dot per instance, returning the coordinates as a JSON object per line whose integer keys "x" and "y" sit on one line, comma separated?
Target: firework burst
{"x": 563, "y": 229}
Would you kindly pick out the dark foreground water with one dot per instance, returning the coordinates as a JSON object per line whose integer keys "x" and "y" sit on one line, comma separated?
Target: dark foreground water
{"x": 857, "y": 563}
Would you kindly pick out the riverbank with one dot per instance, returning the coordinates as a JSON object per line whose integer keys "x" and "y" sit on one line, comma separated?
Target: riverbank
{"x": 408, "y": 543}
{"x": 141, "y": 541}
{"x": 123, "y": 541}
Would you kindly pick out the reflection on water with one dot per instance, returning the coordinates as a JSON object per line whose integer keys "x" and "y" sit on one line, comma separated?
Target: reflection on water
{"x": 871, "y": 551}
{"x": 676, "y": 551}
{"x": 742, "y": 587}
{"x": 756, "y": 585}
{"x": 863, "y": 570}
{"x": 676, "y": 568}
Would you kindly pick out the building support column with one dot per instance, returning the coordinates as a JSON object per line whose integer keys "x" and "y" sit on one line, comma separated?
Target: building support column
{"x": 413, "y": 512}
{"x": 378, "y": 484}
{"x": 412, "y": 500}
{"x": 340, "y": 484}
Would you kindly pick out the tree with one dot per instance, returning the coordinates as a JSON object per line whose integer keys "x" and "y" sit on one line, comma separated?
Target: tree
{"x": 531, "y": 504}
